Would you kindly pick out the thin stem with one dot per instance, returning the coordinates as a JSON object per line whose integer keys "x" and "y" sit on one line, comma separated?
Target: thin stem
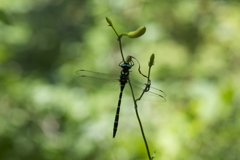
{"x": 139, "y": 120}
{"x": 144, "y": 90}
{"x": 147, "y": 87}
{"x": 139, "y": 67}
{"x": 119, "y": 41}
{"x": 149, "y": 71}
{"x": 114, "y": 30}
{"x": 120, "y": 45}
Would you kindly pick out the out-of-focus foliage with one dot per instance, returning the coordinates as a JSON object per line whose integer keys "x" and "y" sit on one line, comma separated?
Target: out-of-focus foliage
{"x": 46, "y": 113}
{"x": 4, "y": 18}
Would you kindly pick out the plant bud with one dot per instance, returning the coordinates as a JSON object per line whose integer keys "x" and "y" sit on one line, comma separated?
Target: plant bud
{"x": 109, "y": 21}
{"x": 151, "y": 62}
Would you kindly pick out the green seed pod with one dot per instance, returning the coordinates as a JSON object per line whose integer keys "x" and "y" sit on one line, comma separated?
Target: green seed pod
{"x": 151, "y": 62}
{"x": 137, "y": 33}
{"x": 109, "y": 21}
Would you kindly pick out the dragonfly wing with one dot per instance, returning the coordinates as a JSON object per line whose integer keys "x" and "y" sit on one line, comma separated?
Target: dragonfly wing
{"x": 84, "y": 75}
{"x": 153, "y": 92}
{"x": 92, "y": 77}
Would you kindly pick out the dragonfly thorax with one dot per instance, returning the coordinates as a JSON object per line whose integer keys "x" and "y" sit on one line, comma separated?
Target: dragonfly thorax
{"x": 124, "y": 73}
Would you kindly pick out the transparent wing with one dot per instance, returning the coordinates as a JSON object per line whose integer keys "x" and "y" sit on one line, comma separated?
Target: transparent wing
{"x": 97, "y": 77}
{"x": 153, "y": 91}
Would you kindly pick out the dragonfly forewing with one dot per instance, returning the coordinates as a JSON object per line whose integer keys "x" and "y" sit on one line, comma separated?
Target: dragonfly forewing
{"x": 97, "y": 77}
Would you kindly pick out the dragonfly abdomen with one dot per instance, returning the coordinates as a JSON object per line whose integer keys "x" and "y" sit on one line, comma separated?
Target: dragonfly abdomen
{"x": 123, "y": 80}
{"x": 118, "y": 110}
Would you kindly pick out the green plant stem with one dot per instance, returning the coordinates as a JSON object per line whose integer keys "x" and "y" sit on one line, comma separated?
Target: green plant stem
{"x": 120, "y": 45}
{"x": 149, "y": 71}
{"x": 120, "y": 42}
{"x": 147, "y": 87}
{"x": 139, "y": 120}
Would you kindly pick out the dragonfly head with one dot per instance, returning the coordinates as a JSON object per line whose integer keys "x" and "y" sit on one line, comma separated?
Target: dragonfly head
{"x": 126, "y": 65}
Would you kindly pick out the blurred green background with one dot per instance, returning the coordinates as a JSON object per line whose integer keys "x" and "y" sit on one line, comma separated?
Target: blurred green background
{"x": 46, "y": 113}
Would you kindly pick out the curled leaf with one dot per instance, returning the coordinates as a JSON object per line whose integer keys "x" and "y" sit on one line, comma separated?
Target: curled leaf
{"x": 134, "y": 34}
{"x": 137, "y": 33}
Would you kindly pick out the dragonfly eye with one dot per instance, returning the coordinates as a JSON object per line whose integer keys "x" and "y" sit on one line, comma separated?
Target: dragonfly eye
{"x": 126, "y": 65}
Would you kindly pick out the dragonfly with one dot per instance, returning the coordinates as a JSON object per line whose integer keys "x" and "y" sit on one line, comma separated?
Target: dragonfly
{"x": 123, "y": 79}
